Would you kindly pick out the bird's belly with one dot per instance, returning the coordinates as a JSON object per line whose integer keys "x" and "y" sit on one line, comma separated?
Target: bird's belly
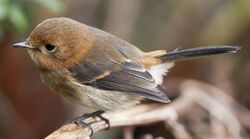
{"x": 106, "y": 100}
{"x": 88, "y": 95}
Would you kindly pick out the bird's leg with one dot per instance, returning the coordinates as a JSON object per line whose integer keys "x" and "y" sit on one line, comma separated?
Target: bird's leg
{"x": 79, "y": 120}
{"x": 99, "y": 114}
{"x": 95, "y": 114}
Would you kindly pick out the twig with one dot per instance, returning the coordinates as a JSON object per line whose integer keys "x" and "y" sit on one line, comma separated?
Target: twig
{"x": 143, "y": 114}
{"x": 193, "y": 94}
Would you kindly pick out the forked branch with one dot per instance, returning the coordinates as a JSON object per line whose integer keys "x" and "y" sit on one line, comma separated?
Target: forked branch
{"x": 193, "y": 93}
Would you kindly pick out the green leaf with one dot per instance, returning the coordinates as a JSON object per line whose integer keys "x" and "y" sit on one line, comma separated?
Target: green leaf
{"x": 55, "y": 6}
{"x": 3, "y": 9}
{"x": 18, "y": 18}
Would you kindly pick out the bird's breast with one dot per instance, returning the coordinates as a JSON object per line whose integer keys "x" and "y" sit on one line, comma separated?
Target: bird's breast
{"x": 60, "y": 81}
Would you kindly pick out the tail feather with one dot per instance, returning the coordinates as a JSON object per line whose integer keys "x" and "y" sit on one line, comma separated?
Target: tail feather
{"x": 193, "y": 53}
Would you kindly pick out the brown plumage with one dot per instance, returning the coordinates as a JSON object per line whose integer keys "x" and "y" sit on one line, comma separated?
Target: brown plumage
{"x": 98, "y": 69}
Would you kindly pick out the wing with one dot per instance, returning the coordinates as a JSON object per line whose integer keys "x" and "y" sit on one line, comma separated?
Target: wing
{"x": 126, "y": 77}
{"x": 114, "y": 65}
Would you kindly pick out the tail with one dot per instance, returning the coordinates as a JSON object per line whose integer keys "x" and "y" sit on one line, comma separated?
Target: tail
{"x": 180, "y": 55}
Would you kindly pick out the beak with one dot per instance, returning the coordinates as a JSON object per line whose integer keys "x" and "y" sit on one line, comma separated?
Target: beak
{"x": 23, "y": 44}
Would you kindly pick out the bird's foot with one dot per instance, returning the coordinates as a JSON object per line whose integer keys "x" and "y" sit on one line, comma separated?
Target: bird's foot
{"x": 79, "y": 120}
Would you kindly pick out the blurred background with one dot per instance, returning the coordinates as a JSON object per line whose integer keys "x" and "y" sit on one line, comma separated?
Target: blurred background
{"x": 29, "y": 110}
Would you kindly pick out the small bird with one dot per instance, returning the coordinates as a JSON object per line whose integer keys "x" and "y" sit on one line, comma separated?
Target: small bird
{"x": 99, "y": 70}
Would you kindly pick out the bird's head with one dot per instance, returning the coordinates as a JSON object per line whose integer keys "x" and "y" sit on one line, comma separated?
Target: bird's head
{"x": 57, "y": 43}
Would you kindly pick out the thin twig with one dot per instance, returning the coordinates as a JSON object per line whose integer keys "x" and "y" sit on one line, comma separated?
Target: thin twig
{"x": 193, "y": 94}
{"x": 143, "y": 114}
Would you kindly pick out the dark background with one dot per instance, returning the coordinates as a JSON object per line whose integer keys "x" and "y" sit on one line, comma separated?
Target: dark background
{"x": 28, "y": 109}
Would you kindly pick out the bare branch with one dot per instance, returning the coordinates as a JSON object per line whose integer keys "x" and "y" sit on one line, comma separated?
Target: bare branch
{"x": 193, "y": 94}
{"x": 143, "y": 114}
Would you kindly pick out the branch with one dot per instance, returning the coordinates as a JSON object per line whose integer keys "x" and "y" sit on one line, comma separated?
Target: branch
{"x": 143, "y": 114}
{"x": 193, "y": 94}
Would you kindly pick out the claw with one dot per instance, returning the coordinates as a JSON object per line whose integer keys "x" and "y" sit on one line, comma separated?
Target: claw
{"x": 79, "y": 120}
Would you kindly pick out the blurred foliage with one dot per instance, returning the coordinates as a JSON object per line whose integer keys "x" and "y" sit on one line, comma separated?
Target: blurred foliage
{"x": 16, "y": 15}
{"x": 231, "y": 19}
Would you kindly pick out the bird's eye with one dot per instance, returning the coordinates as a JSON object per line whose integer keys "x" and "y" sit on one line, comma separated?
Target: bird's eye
{"x": 50, "y": 47}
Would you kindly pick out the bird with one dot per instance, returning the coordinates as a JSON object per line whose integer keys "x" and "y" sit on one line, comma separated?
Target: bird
{"x": 99, "y": 70}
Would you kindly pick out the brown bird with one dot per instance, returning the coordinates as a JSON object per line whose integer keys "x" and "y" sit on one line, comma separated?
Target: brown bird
{"x": 99, "y": 70}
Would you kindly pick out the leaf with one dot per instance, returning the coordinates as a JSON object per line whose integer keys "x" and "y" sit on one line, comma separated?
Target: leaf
{"x": 18, "y": 18}
{"x": 55, "y": 6}
{"x": 3, "y": 9}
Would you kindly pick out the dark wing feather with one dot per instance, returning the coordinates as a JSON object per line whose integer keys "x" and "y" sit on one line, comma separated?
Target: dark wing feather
{"x": 127, "y": 77}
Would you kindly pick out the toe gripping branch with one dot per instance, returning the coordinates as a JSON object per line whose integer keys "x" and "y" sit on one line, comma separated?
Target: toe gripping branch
{"x": 79, "y": 120}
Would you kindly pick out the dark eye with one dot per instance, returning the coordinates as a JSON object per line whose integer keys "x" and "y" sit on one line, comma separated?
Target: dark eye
{"x": 50, "y": 47}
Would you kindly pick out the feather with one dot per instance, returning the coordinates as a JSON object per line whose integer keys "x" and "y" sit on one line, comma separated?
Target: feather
{"x": 127, "y": 77}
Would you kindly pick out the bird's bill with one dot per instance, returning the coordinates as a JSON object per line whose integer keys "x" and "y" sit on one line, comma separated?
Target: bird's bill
{"x": 23, "y": 44}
